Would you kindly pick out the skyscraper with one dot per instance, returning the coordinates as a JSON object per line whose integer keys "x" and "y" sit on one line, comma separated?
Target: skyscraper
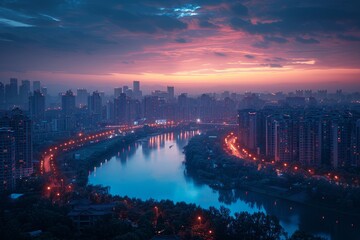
{"x": 248, "y": 129}
{"x": 81, "y": 97}
{"x": 95, "y": 103}
{"x": 125, "y": 88}
{"x": 117, "y": 92}
{"x": 151, "y": 107}
{"x": 7, "y": 160}
{"x": 120, "y": 107}
{"x": 22, "y": 128}
{"x": 136, "y": 86}
{"x": 44, "y": 91}
{"x": 37, "y": 106}
{"x": 2, "y": 96}
{"x": 171, "y": 92}
{"x": 24, "y": 93}
{"x": 68, "y": 103}
{"x": 137, "y": 94}
{"x": 11, "y": 92}
{"x": 36, "y": 86}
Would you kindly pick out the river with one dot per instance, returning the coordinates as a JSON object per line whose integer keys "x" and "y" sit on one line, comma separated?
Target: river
{"x": 153, "y": 168}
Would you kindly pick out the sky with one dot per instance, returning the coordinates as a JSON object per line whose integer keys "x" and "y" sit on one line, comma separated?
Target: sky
{"x": 193, "y": 45}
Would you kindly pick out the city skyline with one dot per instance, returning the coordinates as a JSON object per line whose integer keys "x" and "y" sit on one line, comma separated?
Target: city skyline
{"x": 180, "y": 119}
{"x": 247, "y": 45}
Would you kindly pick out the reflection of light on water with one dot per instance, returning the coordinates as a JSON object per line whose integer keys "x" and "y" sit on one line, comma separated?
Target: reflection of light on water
{"x": 162, "y": 167}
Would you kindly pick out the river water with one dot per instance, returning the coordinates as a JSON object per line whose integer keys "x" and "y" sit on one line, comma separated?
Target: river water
{"x": 153, "y": 168}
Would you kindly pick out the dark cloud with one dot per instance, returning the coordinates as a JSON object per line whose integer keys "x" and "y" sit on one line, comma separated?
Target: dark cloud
{"x": 350, "y": 38}
{"x": 249, "y": 56}
{"x": 116, "y": 27}
{"x": 275, "y": 39}
{"x": 289, "y": 18}
{"x": 261, "y": 44}
{"x": 34, "y": 5}
{"x": 239, "y": 9}
{"x": 275, "y": 59}
{"x": 145, "y": 23}
{"x": 220, "y": 54}
{"x": 180, "y": 40}
{"x": 306, "y": 40}
{"x": 207, "y": 24}
{"x": 272, "y": 65}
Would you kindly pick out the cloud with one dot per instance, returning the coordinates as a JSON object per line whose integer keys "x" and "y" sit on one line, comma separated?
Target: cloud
{"x": 180, "y": 40}
{"x": 207, "y": 24}
{"x": 261, "y": 44}
{"x": 306, "y": 40}
{"x": 275, "y": 39}
{"x": 272, "y": 65}
{"x": 350, "y": 38}
{"x": 249, "y": 56}
{"x": 239, "y": 9}
{"x": 12, "y": 23}
{"x": 174, "y": 34}
{"x": 287, "y": 18}
{"x": 220, "y": 54}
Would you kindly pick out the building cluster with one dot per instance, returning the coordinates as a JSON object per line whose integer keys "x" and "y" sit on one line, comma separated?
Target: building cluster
{"x": 12, "y": 95}
{"x": 311, "y": 136}
{"x": 84, "y": 110}
{"x": 284, "y": 127}
{"x": 16, "y": 153}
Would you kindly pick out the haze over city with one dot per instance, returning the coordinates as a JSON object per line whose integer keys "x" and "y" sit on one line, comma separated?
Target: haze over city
{"x": 180, "y": 119}
{"x": 198, "y": 44}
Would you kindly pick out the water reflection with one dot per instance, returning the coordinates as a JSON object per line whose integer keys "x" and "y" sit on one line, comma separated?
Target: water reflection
{"x": 152, "y": 168}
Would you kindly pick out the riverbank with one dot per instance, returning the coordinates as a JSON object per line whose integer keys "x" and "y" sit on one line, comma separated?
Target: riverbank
{"x": 207, "y": 162}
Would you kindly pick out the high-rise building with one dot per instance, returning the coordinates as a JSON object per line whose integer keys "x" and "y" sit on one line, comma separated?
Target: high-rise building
{"x": 117, "y": 92}
{"x": 2, "y": 96}
{"x": 24, "y": 93}
{"x": 125, "y": 88}
{"x": 279, "y": 135}
{"x": 68, "y": 111}
{"x": 11, "y": 92}
{"x": 22, "y": 128}
{"x": 248, "y": 129}
{"x": 44, "y": 91}
{"x": 137, "y": 94}
{"x": 81, "y": 97}
{"x": 341, "y": 140}
{"x": 120, "y": 107}
{"x": 171, "y": 92}
{"x": 109, "y": 110}
{"x": 184, "y": 113}
{"x": 37, "y": 106}
{"x": 309, "y": 141}
{"x": 36, "y": 86}
{"x": 136, "y": 86}
{"x": 206, "y": 106}
{"x": 68, "y": 103}
{"x": 355, "y": 146}
{"x": 151, "y": 107}
{"x": 7, "y": 160}
{"x": 95, "y": 103}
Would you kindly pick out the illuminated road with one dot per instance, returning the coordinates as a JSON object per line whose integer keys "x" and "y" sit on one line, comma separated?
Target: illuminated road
{"x": 56, "y": 184}
{"x": 232, "y": 148}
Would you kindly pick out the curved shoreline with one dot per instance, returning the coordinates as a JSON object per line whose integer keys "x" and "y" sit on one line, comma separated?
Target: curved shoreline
{"x": 250, "y": 188}
{"x": 211, "y": 178}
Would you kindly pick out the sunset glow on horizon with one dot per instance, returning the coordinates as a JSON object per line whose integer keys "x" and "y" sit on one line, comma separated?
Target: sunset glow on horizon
{"x": 188, "y": 44}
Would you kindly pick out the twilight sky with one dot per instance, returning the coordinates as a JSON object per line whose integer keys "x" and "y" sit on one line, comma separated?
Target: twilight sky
{"x": 199, "y": 44}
